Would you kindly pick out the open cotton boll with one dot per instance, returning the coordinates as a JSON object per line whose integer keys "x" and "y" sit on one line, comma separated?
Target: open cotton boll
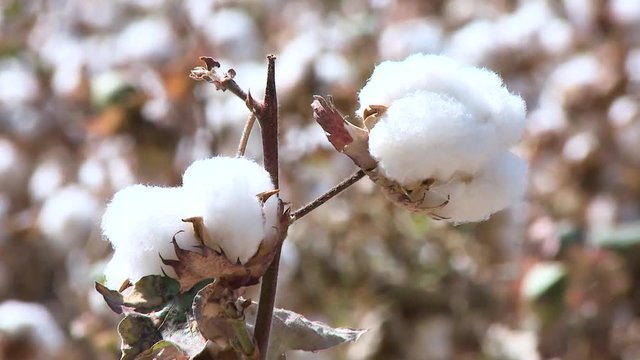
{"x": 476, "y": 197}
{"x": 479, "y": 90}
{"x": 33, "y": 321}
{"x": 428, "y": 135}
{"x": 68, "y": 216}
{"x": 140, "y": 223}
{"x": 232, "y": 213}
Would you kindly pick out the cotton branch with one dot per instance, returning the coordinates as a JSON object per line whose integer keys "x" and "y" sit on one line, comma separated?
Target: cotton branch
{"x": 346, "y": 183}
{"x": 221, "y": 82}
{"x": 267, "y": 115}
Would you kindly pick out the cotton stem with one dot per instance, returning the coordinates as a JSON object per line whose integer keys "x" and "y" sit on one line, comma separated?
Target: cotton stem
{"x": 345, "y": 184}
{"x": 267, "y": 115}
{"x": 246, "y": 132}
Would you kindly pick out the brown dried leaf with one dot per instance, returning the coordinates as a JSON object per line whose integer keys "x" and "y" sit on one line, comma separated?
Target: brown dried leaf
{"x": 138, "y": 333}
{"x": 220, "y": 318}
{"x": 195, "y": 266}
{"x": 150, "y": 293}
{"x": 345, "y": 137}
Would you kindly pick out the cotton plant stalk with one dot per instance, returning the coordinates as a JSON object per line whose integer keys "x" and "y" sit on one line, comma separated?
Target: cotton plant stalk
{"x": 434, "y": 135}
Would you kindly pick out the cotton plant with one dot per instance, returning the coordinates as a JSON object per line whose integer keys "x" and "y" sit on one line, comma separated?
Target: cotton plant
{"x": 434, "y": 135}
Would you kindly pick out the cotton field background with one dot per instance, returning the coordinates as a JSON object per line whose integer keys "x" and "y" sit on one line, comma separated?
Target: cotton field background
{"x": 95, "y": 96}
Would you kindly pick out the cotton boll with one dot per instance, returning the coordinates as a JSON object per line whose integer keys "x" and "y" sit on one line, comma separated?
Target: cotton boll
{"x": 427, "y": 135}
{"x": 332, "y": 68}
{"x": 34, "y": 322}
{"x": 623, "y": 111}
{"x": 297, "y": 57}
{"x": 234, "y": 32}
{"x": 556, "y": 37}
{"x": 231, "y": 210}
{"x": 144, "y": 39}
{"x": 580, "y": 147}
{"x": 475, "y": 198}
{"x": 480, "y": 91}
{"x": 18, "y": 84}
{"x": 579, "y": 71}
{"x": 399, "y": 40}
{"x": 46, "y": 179}
{"x": 140, "y": 223}
{"x": 68, "y": 216}
{"x": 92, "y": 174}
{"x": 625, "y": 12}
{"x": 474, "y": 43}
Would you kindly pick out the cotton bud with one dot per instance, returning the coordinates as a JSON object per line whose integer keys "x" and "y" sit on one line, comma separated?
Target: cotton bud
{"x": 141, "y": 221}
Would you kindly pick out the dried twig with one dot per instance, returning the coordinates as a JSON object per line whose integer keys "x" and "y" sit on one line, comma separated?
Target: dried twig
{"x": 246, "y": 132}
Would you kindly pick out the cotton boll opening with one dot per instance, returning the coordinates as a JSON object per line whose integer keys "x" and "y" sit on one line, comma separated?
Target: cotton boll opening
{"x": 500, "y": 184}
{"x": 479, "y": 90}
{"x": 140, "y": 223}
{"x": 231, "y": 210}
{"x": 428, "y": 135}
{"x": 68, "y": 216}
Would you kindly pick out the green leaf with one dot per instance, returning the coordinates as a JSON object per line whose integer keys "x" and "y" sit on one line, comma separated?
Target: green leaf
{"x": 138, "y": 333}
{"x": 163, "y": 350}
{"x": 179, "y": 326}
{"x": 292, "y": 331}
{"x": 541, "y": 279}
{"x": 220, "y": 318}
{"x": 621, "y": 237}
{"x": 150, "y": 293}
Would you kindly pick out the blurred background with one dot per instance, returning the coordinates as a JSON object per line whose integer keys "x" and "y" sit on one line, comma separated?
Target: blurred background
{"x": 95, "y": 96}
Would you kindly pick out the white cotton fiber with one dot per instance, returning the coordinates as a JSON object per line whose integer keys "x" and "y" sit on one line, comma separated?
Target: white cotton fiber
{"x": 141, "y": 220}
{"x": 474, "y": 198}
{"x": 479, "y": 90}
{"x": 231, "y": 210}
{"x": 404, "y": 140}
{"x": 443, "y": 117}
{"x": 140, "y": 223}
{"x": 68, "y": 216}
{"x": 35, "y": 321}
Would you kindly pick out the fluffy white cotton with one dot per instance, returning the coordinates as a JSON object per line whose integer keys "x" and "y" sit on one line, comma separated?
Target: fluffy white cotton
{"x": 429, "y": 135}
{"x": 68, "y": 216}
{"x": 401, "y": 39}
{"x": 480, "y": 91}
{"x": 474, "y": 198}
{"x": 232, "y": 212}
{"x": 47, "y": 177}
{"x": 143, "y": 39}
{"x": 140, "y": 222}
{"x": 18, "y": 84}
{"x": 435, "y": 128}
{"x": 34, "y": 321}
